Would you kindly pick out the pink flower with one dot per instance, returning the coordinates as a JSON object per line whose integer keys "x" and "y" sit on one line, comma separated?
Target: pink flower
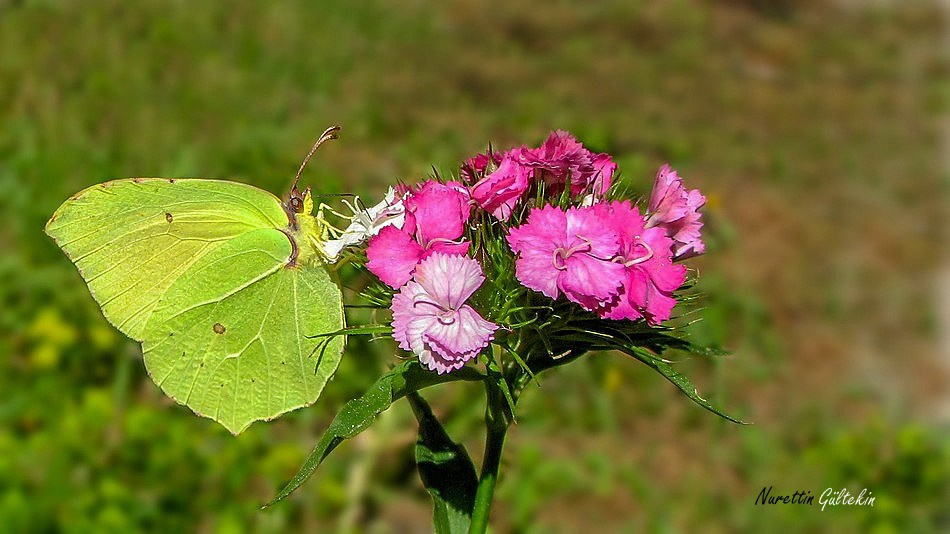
{"x": 500, "y": 191}
{"x": 430, "y": 316}
{"x": 676, "y": 211}
{"x": 476, "y": 166}
{"x": 559, "y": 159}
{"x": 568, "y": 252}
{"x": 436, "y": 214}
{"x": 604, "y": 169}
{"x": 650, "y": 277}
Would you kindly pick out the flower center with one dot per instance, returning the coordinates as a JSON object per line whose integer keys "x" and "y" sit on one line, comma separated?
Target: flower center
{"x": 445, "y": 316}
{"x": 447, "y": 241}
{"x": 639, "y": 259}
{"x": 561, "y": 254}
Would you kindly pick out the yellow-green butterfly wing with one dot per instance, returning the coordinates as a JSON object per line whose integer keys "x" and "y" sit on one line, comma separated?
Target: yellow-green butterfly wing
{"x": 220, "y": 285}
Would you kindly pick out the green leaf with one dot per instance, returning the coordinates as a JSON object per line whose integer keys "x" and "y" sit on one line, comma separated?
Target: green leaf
{"x": 358, "y": 414}
{"x": 370, "y": 329}
{"x": 446, "y": 471}
{"x": 678, "y": 379}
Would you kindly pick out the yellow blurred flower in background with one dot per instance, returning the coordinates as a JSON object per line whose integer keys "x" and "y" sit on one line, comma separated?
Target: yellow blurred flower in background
{"x": 49, "y": 335}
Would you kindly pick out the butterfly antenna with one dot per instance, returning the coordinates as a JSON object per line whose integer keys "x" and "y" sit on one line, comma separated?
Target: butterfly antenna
{"x": 327, "y": 135}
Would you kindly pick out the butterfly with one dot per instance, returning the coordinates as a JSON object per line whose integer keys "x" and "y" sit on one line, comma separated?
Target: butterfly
{"x": 224, "y": 284}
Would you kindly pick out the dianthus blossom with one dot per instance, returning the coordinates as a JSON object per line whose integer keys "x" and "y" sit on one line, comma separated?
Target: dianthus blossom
{"x": 431, "y": 319}
{"x": 499, "y": 192}
{"x": 435, "y": 217}
{"x": 365, "y": 223}
{"x": 568, "y": 252}
{"x": 676, "y": 211}
{"x": 562, "y": 159}
{"x": 479, "y": 165}
{"x": 650, "y": 276}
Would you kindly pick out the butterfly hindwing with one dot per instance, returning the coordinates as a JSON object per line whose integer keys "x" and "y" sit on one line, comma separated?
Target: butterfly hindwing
{"x": 236, "y": 350}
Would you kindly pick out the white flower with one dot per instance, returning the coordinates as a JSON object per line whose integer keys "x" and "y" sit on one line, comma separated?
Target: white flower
{"x": 365, "y": 223}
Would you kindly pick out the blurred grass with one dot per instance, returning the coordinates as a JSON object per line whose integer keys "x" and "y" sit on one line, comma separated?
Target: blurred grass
{"x": 812, "y": 127}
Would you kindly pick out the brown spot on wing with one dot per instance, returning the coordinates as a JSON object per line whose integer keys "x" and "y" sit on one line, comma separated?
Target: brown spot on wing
{"x": 218, "y": 328}
{"x": 168, "y": 217}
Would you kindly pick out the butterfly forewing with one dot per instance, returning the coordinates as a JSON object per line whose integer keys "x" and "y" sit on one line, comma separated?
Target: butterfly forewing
{"x": 130, "y": 239}
{"x": 201, "y": 272}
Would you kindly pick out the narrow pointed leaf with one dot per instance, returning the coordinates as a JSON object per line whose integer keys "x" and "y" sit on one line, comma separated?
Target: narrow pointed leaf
{"x": 358, "y": 414}
{"x": 678, "y": 379}
{"x": 446, "y": 471}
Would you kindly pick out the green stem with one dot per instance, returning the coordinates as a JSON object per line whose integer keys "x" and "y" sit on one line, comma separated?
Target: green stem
{"x": 496, "y": 428}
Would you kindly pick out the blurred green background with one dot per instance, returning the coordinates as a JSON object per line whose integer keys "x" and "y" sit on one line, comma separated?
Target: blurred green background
{"x": 814, "y": 128}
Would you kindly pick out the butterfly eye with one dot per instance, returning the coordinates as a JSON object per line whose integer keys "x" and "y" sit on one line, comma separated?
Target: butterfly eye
{"x": 296, "y": 204}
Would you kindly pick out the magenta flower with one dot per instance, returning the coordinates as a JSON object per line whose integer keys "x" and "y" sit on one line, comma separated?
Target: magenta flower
{"x": 676, "y": 211}
{"x": 478, "y": 165}
{"x": 650, "y": 277}
{"x": 431, "y": 319}
{"x": 604, "y": 169}
{"x": 435, "y": 221}
{"x": 568, "y": 252}
{"x": 500, "y": 191}
{"x": 559, "y": 159}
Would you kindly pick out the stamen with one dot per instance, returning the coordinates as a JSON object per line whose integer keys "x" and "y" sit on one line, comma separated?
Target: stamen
{"x": 358, "y": 214}
{"x": 335, "y": 212}
{"x": 563, "y": 254}
{"x": 419, "y": 301}
{"x": 641, "y": 259}
{"x": 447, "y": 318}
{"x": 447, "y": 241}
{"x": 333, "y": 230}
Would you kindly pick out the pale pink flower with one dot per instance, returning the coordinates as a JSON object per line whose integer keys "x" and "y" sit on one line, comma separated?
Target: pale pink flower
{"x": 431, "y": 319}
{"x": 650, "y": 277}
{"x": 676, "y": 211}
{"x": 500, "y": 191}
{"x": 435, "y": 217}
{"x": 568, "y": 252}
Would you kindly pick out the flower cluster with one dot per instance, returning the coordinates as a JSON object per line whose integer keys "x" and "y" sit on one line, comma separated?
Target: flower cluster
{"x": 559, "y": 162}
{"x": 563, "y": 232}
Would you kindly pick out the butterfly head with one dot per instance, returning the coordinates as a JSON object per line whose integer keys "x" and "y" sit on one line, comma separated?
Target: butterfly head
{"x": 298, "y": 201}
